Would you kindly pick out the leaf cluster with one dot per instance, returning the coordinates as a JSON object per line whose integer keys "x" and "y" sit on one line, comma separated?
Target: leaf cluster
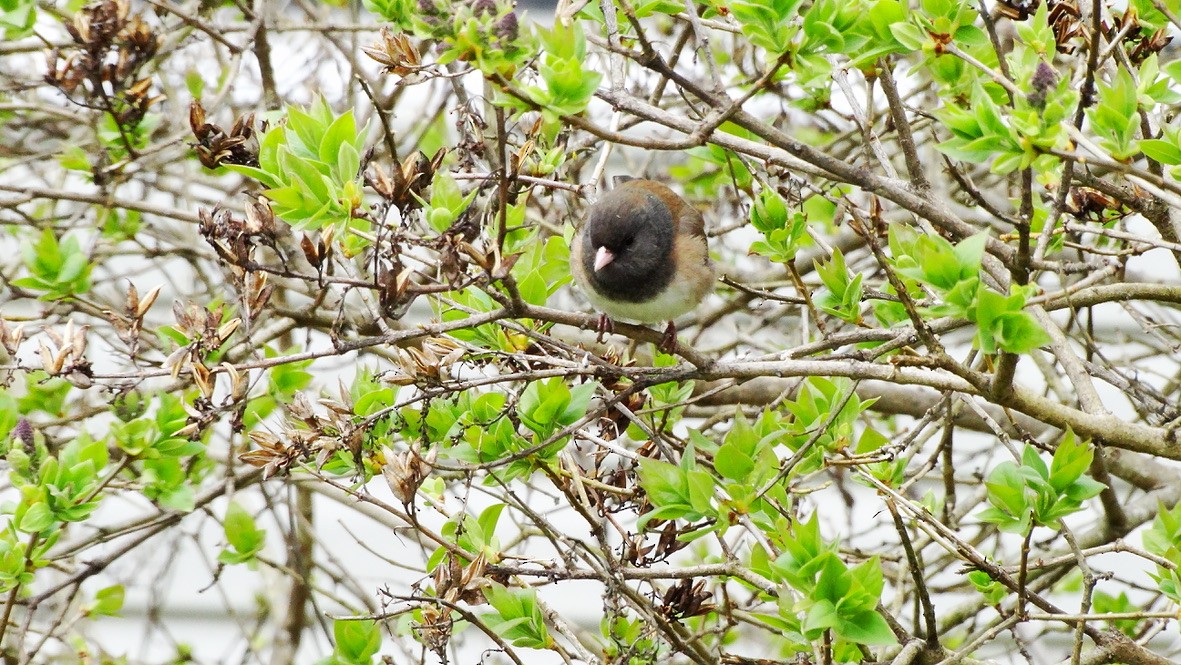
{"x": 1033, "y": 494}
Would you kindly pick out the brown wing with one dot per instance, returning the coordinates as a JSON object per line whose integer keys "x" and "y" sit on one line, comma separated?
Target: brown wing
{"x": 688, "y": 218}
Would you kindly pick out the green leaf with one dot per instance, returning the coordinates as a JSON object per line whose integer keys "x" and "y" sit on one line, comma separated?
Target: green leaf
{"x": 36, "y": 519}
{"x": 75, "y": 159}
{"x": 676, "y": 491}
{"x": 663, "y": 482}
{"x": 540, "y": 404}
{"x": 910, "y": 36}
{"x": 17, "y": 18}
{"x": 659, "y": 7}
{"x": 821, "y": 617}
{"x": 970, "y": 253}
{"x": 733, "y": 463}
{"x": 1006, "y": 489}
{"x": 61, "y": 269}
{"x": 769, "y": 211}
{"x": 701, "y": 491}
{"x": 356, "y": 640}
{"x": 767, "y": 23}
{"x": 306, "y": 132}
{"x": 833, "y": 583}
{"x": 1019, "y": 332}
{"x": 993, "y": 591}
{"x": 533, "y": 288}
{"x": 866, "y": 628}
{"x": 1031, "y": 459}
{"x": 518, "y": 617}
{"x": 181, "y": 498}
{"x": 1082, "y": 489}
{"x": 242, "y": 534}
{"x": 884, "y": 15}
{"x": 342, "y": 132}
{"x": 348, "y": 163}
{"x": 1162, "y": 151}
{"x": 488, "y": 520}
{"x": 577, "y": 405}
{"x": 1071, "y": 460}
{"x": 108, "y": 601}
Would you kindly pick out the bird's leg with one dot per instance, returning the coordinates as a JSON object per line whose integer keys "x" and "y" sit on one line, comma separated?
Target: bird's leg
{"x": 668, "y": 342}
{"x": 605, "y": 327}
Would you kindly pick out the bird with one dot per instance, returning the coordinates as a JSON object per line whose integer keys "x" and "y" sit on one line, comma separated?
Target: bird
{"x": 642, "y": 256}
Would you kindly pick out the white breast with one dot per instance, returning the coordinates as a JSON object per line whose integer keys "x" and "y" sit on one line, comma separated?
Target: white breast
{"x": 674, "y": 301}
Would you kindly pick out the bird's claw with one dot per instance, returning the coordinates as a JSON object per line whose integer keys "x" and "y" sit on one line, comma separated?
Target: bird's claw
{"x": 605, "y": 327}
{"x": 668, "y": 341}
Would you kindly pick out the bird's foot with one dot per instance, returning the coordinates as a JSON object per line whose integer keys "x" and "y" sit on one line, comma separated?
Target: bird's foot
{"x": 668, "y": 342}
{"x": 605, "y": 327}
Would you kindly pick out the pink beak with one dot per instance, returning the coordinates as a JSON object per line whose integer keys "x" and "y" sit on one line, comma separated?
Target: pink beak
{"x": 603, "y": 257}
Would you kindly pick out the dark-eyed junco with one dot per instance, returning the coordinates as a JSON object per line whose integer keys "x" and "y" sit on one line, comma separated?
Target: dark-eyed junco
{"x": 642, "y": 256}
